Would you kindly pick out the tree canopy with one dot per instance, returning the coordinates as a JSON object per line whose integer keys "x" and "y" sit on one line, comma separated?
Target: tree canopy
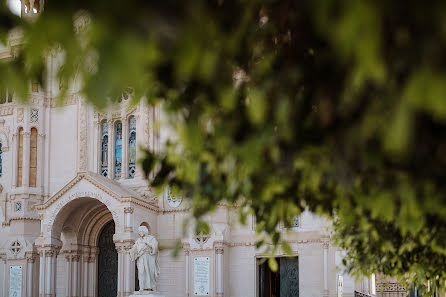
{"x": 336, "y": 106}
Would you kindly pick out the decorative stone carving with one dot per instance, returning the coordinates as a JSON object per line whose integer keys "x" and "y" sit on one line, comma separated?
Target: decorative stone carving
{"x": 34, "y": 117}
{"x": 82, "y": 136}
{"x": 76, "y": 258}
{"x": 6, "y": 110}
{"x": 128, "y": 209}
{"x": 30, "y": 257}
{"x": 219, "y": 250}
{"x": 145, "y": 253}
{"x": 20, "y": 115}
{"x": 4, "y": 136}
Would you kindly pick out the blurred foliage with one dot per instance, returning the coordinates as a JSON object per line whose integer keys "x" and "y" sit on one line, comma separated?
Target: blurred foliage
{"x": 336, "y": 106}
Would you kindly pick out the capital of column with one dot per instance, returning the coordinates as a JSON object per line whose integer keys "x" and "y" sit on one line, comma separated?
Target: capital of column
{"x": 128, "y": 209}
{"x": 219, "y": 250}
{"x": 326, "y": 244}
{"x": 91, "y": 259}
{"x": 75, "y": 258}
{"x": 186, "y": 248}
{"x": 30, "y": 257}
{"x": 123, "y": 246}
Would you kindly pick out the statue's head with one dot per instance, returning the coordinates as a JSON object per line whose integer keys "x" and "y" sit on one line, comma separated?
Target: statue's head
{"x": 143, "y": 231}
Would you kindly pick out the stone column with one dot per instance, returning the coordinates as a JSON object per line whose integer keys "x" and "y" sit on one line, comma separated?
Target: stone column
{"x": 126, "y": 270}
{"x": 25, "y": 162}
{"x": 85, "y": 274}
{"x": 219, "y": 279}
{"x": 125, "y": 144}
{"x": 92, "y": 274}
{"x": 92, "y": 262}
{"x": 54, "y": 272}
{"x": 325, "y": 245}
{"x": 47, "y": 280}
{"x": 110, "y": 153}
{"x": 2, "y": 275}
{"x": 30, "y": 259}
{"x": 75, "y": 276}
{"x": 128, "y": 216}
{"x": 186, "y": 248}
{"x": 42, "y": 273}
{"x": 68, "y": 276}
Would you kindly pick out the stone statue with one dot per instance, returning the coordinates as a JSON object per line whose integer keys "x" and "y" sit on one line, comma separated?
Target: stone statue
{"x": 145, "y": 253}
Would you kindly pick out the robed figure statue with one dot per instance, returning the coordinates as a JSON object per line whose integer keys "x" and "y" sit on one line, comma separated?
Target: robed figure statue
{"x": 145, "y": 253}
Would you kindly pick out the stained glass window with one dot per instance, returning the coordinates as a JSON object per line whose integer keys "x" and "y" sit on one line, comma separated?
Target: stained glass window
{"x": 1, "y": 156}
{"x": 20, "y": 158}
{"x": 33, "y": 158}
{"x": 118, "y": 150}
{"x": 132, "y": 146}
{"x": 104, "y": 148}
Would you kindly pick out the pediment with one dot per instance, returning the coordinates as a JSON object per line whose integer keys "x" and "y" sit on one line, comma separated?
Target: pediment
{"x": 90, "y": 184}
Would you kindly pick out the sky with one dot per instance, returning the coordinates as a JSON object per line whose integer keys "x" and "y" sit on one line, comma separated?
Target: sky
{"x": 14, "y": 5}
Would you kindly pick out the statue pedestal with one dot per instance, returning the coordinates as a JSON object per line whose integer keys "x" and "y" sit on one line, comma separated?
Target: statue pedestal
{"x": 146, "y": 294}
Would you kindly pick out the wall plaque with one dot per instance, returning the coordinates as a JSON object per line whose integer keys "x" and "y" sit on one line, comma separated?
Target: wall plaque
{"x": 201, "y": 276}
{"x": 15, "y": 281}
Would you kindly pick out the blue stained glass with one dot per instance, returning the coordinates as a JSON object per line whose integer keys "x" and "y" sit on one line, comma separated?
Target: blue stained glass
{"x": 104, "y": 150}
{"x": 118, "y": 150}
{"x": 132, "y": 146}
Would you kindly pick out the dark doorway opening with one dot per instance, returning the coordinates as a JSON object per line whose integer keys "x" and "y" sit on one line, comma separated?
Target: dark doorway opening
{"x": 107, "y": 262}
{"x": 282, "y": 283}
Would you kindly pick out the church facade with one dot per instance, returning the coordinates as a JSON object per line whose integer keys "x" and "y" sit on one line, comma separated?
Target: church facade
{"x": 72, "y": 198}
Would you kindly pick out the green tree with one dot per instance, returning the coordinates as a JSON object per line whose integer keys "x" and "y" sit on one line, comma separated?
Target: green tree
{"x": 335, "y": 106}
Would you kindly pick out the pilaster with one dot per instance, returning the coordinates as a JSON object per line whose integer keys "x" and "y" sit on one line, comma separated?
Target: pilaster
{"x": 325, "y": 246}
{"x": 126, "y": 269}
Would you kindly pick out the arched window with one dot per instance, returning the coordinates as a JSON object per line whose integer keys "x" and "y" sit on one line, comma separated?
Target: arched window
{"x": 20, "y": 158}
{"x": 118, "y": 150}
{"x": 132, "y": 146}
{"x": 1, "y": 161}
{"x": 104, "y": 148}
{"x": 33, "y": 158}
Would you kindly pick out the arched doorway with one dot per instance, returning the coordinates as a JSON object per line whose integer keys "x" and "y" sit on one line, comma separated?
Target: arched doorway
{"x": 85, "y": 227}
{"x": 107, "y": 262}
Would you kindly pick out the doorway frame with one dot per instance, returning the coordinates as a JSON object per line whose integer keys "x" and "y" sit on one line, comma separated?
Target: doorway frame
{"x": 256, "y": 267}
